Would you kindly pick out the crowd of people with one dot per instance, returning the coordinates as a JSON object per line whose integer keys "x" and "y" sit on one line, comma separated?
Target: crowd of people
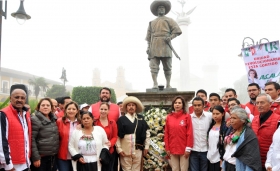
{"x": 213, "y": 134}
{"x": 223, "y": 134}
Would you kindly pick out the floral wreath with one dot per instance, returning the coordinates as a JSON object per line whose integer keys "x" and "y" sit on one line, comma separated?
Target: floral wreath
{"x": 156, "y": 157}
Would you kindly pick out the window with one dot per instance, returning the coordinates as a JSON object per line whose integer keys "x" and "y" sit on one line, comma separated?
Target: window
{"x": 5, "y": 87}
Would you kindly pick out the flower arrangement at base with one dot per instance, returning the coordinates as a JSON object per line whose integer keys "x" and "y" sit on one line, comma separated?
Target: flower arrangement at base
{"x": 155, "y": 159}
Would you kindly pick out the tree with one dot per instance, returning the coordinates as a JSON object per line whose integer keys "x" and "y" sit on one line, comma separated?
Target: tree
{"x": 240, "y": 87}
{"x": 222, "y": 91}
{"x": 57, "y": 91}
{"x": 89, "y": 95}
{"x": 39, "y": 84}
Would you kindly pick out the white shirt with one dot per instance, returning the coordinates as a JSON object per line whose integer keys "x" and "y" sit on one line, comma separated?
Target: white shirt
{"x": 73, "y": 125}
{"x": 230, "y": 149}
{"x": 213, "y": 154}
{"x": 200, "y": 128}
{"x": 273, "y": 155}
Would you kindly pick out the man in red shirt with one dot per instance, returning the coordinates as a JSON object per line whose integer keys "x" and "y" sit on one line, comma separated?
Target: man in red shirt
{"x": 214, "y": 100}
{"x": 114, "y": 113}
{"x": 64, "y": 101}
{"x": 253, "y": 92}
{"x": 202, "y": 94}
{"x": 105, "y": 96}
{"x": 273, "y": 89}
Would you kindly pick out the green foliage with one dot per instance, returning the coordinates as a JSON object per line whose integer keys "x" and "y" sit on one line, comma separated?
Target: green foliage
{"x": 5, "y": 103}
{"x": 39, "y": 84}
{"x": 89, "y": 95}
{"x": 57, "y": 91}
{"x": 33, "y": 103}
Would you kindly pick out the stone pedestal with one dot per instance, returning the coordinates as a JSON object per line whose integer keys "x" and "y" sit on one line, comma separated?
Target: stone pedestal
{"x": 160, "y": 98}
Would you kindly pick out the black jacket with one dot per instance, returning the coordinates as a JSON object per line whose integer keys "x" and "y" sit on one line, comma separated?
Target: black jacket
{"x": 45, "y": 137}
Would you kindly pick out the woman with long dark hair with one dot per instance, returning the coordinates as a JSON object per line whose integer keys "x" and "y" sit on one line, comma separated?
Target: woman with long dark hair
{"x": 66, "y": 125}
{"x": 178, "y": 135}
{"x": 111, "y": 130}
{"x": 216, "y": 134}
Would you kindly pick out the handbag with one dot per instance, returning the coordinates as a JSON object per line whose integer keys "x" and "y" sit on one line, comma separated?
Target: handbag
{"x": 105, "y": 156}
{"x": 128, "y": 142}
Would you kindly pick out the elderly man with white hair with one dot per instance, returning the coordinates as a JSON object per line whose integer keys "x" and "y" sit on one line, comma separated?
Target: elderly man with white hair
{"x": 265, "y": 124}
{"x": 133, "y": 135}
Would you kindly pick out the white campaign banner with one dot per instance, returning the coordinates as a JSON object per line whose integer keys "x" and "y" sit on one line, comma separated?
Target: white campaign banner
{"x": 262, "y": 63}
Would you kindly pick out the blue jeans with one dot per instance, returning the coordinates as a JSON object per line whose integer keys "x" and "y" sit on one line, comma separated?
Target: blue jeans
{"x": 198, "y": 161}
{"x": 64, "y": 165}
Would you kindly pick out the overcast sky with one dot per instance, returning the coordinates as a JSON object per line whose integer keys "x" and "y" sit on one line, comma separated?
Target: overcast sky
{"x": 105, "y": 34}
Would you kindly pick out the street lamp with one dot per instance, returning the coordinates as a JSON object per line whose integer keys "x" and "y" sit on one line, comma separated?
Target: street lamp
{"x": 20, "y": 15}
{"x": 248, "y": 45}
{"x": 243, "y": 44}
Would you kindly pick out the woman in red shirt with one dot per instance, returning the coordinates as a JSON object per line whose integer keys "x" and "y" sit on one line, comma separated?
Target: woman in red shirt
{"x": 66, "y": 126}
{"x": 178, "y": 135}
{"x": 111, "y": 130}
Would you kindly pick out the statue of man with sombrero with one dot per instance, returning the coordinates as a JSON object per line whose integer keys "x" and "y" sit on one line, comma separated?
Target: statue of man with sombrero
{"x": 159, "y": 35}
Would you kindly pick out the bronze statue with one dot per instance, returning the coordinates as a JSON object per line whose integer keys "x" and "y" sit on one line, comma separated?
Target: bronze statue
{"x": 159, "y": 35}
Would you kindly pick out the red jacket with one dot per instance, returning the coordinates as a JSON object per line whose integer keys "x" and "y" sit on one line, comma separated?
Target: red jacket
{"x": 265, "y": 133}
{"x": 253, "y": 108}
{"x": 178, "y": 133}
{"x": 16, "y": 135}
{"x": 114, "y": 111}
{"x": 206, "y": 107}
{"x": 60, "y": 114}
{"x": 63, "y": 129}
{"x": 275, "y": 107}
{"x": 111, "y": 131}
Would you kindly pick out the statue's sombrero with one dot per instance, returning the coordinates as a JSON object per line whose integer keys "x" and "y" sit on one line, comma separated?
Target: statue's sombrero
{"x": 156, "y": 3}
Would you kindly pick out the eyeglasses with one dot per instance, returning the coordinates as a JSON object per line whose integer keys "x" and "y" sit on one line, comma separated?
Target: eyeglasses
{"x": 233, "y": 104}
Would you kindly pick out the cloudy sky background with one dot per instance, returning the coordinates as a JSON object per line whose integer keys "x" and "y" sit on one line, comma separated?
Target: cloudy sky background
{"x": 106, "y": 34}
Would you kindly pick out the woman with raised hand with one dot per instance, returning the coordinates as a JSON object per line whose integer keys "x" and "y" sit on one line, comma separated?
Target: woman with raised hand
{"x": 111, "y": 130}
{"x": 242, "y": 147}
{"x": 45, "y": 138}
{"x": 216, "y": 134}
{"x": 66, "y": 125}
{"x": 86, "y": 144}
{"x": 178, "y": 135}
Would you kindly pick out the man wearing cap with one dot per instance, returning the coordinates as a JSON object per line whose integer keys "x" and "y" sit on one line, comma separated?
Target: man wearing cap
{"x": 105, "y": 95}
{"x": 15, "y": 131}
{"x": 133, "y": 135}
{"x": 160, "y": 33}
{"x": 84, "y": 107}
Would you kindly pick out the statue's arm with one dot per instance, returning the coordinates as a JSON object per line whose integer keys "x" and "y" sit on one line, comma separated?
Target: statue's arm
{"x": 174, "y": 29}
{"x": 148, "y": 38}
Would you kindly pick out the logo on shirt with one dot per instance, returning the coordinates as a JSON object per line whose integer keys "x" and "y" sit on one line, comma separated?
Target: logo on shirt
{"x": 182, "y": 123}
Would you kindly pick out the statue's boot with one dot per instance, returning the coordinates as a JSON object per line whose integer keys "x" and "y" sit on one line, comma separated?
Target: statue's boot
{"x": 154, "y": 76}
{"x": 168, "y": 78}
